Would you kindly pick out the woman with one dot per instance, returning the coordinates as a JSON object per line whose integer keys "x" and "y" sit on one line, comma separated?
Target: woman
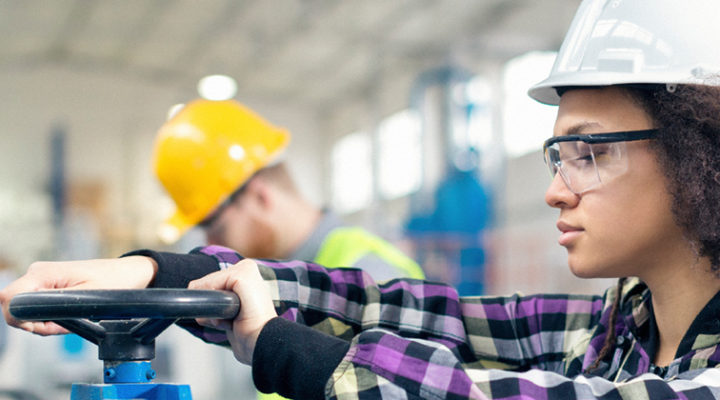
{"x": 635, "y": 159}
{"x": 629, "y": 206}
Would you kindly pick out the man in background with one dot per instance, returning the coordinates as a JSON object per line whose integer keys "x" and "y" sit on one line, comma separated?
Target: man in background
{"x": 220, "y": 163}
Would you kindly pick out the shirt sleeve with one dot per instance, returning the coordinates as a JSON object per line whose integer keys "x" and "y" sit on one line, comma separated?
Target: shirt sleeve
{"x": 515, "y": 332}
{"x": 381, "y": 364}
{"x": 537, "y": 331}
{"x": 417, "y": 339}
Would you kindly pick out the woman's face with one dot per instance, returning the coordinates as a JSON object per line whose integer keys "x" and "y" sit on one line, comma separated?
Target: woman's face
{"x": 624, "y": 227}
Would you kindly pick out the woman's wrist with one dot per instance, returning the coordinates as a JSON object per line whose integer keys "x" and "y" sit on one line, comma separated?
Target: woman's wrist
{"x": 144, "y": 268}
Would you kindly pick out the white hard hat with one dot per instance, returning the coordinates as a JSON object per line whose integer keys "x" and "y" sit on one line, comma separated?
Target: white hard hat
{"x": 613, "y": 42}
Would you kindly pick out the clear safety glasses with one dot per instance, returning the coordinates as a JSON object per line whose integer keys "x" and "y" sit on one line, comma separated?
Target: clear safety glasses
{"x": 586, "y": 161}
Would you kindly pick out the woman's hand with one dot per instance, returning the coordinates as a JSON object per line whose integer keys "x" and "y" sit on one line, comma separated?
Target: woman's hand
{"x": 135, "y": 272}
{"x": 256, "y": 306}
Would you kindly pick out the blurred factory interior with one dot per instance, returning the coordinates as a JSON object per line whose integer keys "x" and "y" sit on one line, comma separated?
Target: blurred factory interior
{"x": 408, "y": 117}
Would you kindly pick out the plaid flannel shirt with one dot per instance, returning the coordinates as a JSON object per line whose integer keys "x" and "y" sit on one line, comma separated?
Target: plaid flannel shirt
{"x": 415, "y": 339}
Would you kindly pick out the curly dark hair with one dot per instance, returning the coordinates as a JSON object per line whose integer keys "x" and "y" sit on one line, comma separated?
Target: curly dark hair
{"x": 688, "y": 150}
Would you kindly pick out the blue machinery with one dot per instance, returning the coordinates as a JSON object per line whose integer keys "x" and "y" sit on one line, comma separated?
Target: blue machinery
{"x": 129, "y": 380}
{"x": 448, "y": 232}
{"x": 125, "y": 325}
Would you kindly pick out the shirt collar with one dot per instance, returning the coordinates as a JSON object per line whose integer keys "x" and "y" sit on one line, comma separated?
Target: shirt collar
{"x": 703, "y": 332}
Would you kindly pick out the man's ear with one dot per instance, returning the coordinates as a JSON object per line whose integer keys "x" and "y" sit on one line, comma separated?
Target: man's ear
{"x": 260, "y": 191}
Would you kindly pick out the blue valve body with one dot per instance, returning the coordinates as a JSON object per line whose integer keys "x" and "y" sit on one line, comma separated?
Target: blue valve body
{"x": 126, "y": 391}
{"x": 129, "y": 380}
{"x": 128, "y": 372}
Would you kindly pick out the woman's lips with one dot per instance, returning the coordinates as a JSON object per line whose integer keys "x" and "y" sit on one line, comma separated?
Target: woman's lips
{"x": 568, "y": 233}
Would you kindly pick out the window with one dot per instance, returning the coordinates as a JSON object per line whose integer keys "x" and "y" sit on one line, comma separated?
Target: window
{"x": 478, "y": 93}
{"x": 526, "y": 122}
{"x": 473, "y": 142}
{"x": 399, "y": 155}
{"x": 352, "y": 173}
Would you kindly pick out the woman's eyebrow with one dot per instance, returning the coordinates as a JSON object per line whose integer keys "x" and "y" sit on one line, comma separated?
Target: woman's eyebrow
{"x": 578, "y": 129}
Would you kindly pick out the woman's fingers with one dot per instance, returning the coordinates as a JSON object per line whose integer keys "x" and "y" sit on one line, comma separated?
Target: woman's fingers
{"x": 256, "y": 307}
{"x": 222, "y": 280}
{"x": 43, "y": 328}
{"x": 245, "y": 280}
{"x": 117, "y": 273}
{"x": 219, "y": 324}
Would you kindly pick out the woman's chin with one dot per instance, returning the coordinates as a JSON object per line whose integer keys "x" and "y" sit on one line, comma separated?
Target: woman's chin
{"x": 582, "y": 274}
{"x": 583, "y": 271}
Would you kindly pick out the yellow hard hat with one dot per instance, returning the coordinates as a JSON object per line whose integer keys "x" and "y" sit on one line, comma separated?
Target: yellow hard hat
{"x": 206, "y": 151}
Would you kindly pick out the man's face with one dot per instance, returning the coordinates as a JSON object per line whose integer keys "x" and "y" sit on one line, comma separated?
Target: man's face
{"x": 242, "y": 226}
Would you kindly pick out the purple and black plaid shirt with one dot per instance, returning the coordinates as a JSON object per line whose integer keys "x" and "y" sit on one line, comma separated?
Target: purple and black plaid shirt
{"x": 416, "y": 339}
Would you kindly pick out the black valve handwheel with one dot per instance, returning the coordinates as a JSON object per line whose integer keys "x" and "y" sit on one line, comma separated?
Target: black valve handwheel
{"x": 129, "y": 319}
{"x": 59, "y": 305}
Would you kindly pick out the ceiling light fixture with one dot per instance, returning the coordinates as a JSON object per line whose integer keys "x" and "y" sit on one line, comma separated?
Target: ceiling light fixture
{"x": 217, "y": 87}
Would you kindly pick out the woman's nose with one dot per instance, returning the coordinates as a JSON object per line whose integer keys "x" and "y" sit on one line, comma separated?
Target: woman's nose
{"x": 559, "y": 195}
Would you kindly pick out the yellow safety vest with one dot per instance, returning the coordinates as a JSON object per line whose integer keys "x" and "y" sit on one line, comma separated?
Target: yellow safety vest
{"x": 345, "y": 246}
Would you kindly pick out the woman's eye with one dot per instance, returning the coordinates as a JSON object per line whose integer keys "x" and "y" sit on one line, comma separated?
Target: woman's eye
{"x": 583, "y": 158}
{"x": 602, "y": 157}
{"x": 602, "y": 153}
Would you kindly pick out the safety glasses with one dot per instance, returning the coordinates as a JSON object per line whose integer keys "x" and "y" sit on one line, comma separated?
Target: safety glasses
{"x": 586, "y": 161}
{"x": 211, "y": 220}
